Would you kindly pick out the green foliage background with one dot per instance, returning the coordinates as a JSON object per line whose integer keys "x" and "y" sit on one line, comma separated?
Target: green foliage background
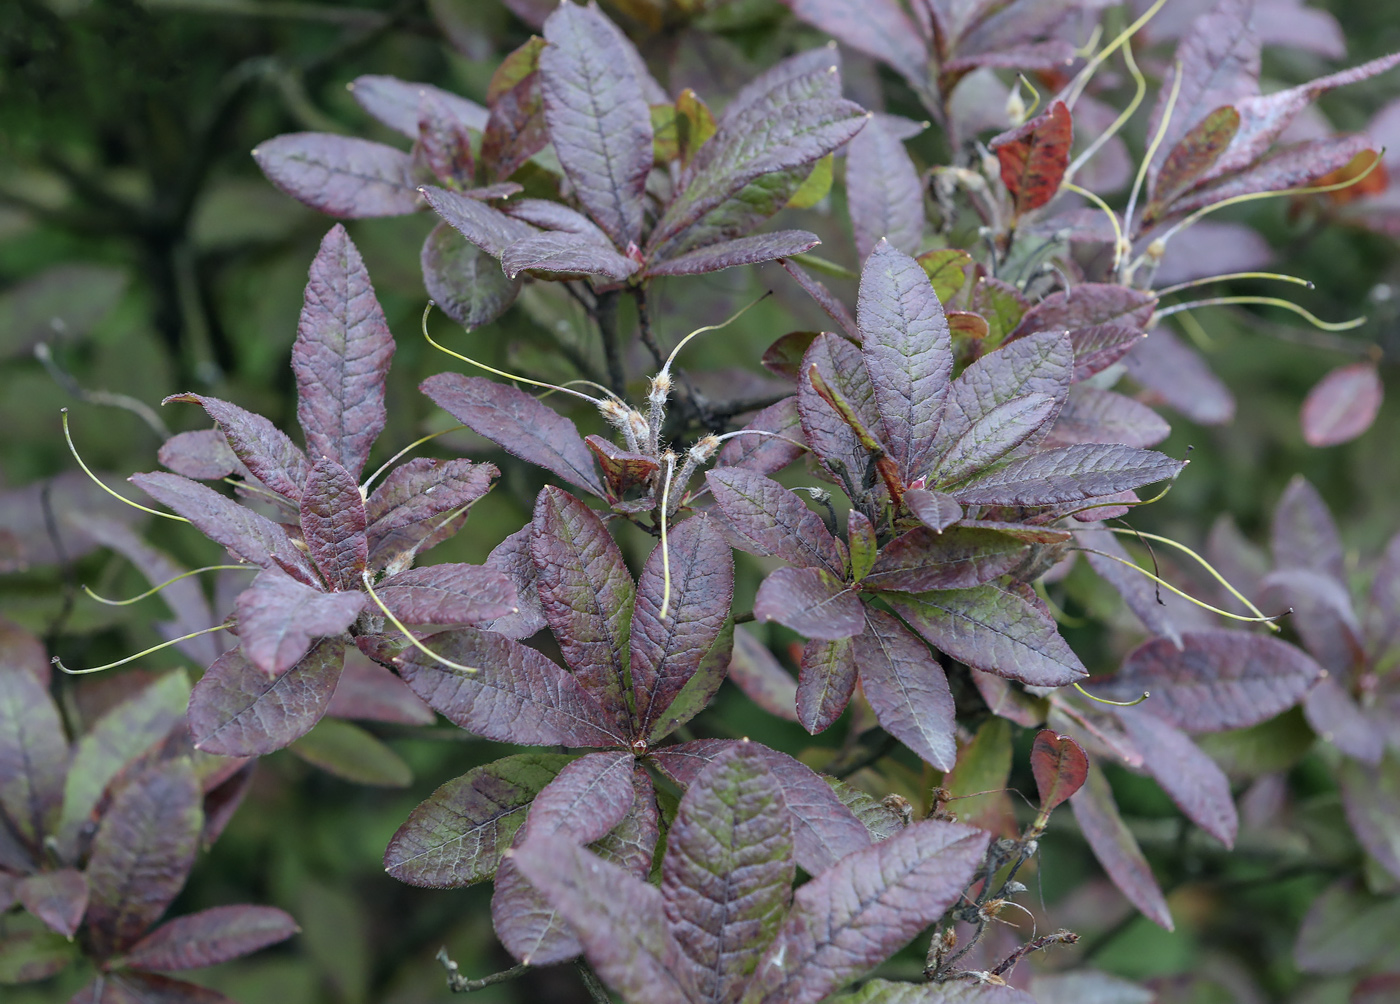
{"x": 124, "y": 136}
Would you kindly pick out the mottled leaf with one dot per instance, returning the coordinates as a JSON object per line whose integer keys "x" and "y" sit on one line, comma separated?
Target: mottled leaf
{"x": 340, "y": 175}
{"x": 993, "y": 436}
{"x": 812, "y": 602}
{"x": 210, "y": 937}
{"x": 58, "y": 898}
{"x": 826, "y": 679}
{"x": 29, "y": 956}
{"x": 261, "y": 447}
{"x": 1069, "y": 474}
{"x": 1117, "y": 850}
{"x": 907, "y": 688}
{"x": 238, "y": 710}
{"x": 1191, "y": 158}
{"x": 518, "y": 423}
{"x": 571, "y": 254}
{"x": 1342, "y": 405}
{"x": 449, "y": 594}
{"x": 946, "y": 269}
{"x": 884, "y": 193}
{"x": 465, "y": 281}
{"x": 33, "y": 756}
{"x": 774, "y": 520}
{"x": 1033, "y": 158}
{"x": 739, "y": 251}
{"x": 516, "y": 129}
{"x": 956, "y": 558}
{"x": 1060, "y": 767}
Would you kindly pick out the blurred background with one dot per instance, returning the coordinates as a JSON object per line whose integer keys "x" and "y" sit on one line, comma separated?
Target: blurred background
{"x": 143, "y": 254}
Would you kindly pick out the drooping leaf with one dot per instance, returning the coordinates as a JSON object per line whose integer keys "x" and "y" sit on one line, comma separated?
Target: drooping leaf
{"x": 812, "y": 602}
{"x": 236, "y": 709}
{"x": 755, "y": 671}
{"x": 880, "y": 29}
{"x": 458, "y": 834}
{"x": 1117, "y": 849}
{"x": 1192, "y": 779}
{"x": 58, "y": 898}
{"x": 1034, "y": 157}
{"x": 405, "y": 513}
{"x": 864, "y": 908}
{"x": 341, "y": 356}
{"x": 142, "y": 852}
{"x": 1303, "y": 533}
{"x": 825, "y": 682}
{"x": 907, "y": 688}
{"x": 622, "y": 469}
{"x": 993, "y": 630}
{"x": 774, "y": 520}
{"x": 396, "y": 103}
{"x": 569, "y": 254}
{"x": 1342, "y": 405}
{"x": 587, "y": 594}
{"x": 739, "y": 251}
{"x": 33, "y": 756}
{"x": 518, "y": 423}
{"x": 767, "y": 454}
{"x": 1069, "y": 474}
{"x": 449, "y": 594}
{"x": 1091, "y": 415}
{"x": 955, "y": 558}
{"x": 340, "y": 175}
{"x": 1217, "y": 679}
{"x": 598, "y": 118}
{"x": 1294, "y": 166}
{"x": 516, "y": 695}
{"x": 908, "y": 353}
{"x": 279, "y": 619}
{"x": 1371, "y": 796}
{"x": 201, "y": 454}
{"x": 885, "y": 195}
{"x": 210, "y": 937}
{"x": 935, "y": 510}
{"x": 262, "y": 447}
{"x": 1060, "y": 767}
{"x": 352, "y": 754}
{"x": 466, "y": 282}
{"x": 728, "y": 872}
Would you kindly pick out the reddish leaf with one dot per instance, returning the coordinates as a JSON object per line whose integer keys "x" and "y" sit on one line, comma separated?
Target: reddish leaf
{"x": 340, "y": 175}
{"x": 826, "y": 679}
{"x": 1217, "y": 679}
{"x": 238, "y": 710}
{"x": 518, "y": 423}
{"x": 449, "y": 594}
{"x": 263, "y": 448}
{"x": 333, "y": 524}
{"x": 1116, "y": 848}
{"x": 279, "y": 619}
{"x": 142, "y": 853}
{"x": 774, "y": 520}
{"x": 516, "y": 695}
{"x": 512, "y": 558}
{"x": 58, "y": 898}
{"x": 907, "y": 688}
{"x": 1199, "y": 148}
{"x": 1060, "y": 766}
{"x": 405, "y": 513}
{"x": 33, "y": 756}
{"x": 465, "y": 281}
{"x": 516, "y": 130}
{"x": 622, "y": 470}
{"x": 1342, "y": 405}
{"x": 1198, "y": 787}
{"x": 812, "y": 602}
{"x": 755, "y": 671}
{"x": 210, "y": 937}
{"x": 1033, "y": 158}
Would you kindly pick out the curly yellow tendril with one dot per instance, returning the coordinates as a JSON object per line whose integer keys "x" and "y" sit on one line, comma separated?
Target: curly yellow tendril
{"x": 1144, "y": 535}
{"x": 364, "y": 488}
{"x": 169, "y": 582}
{"x": 132, "y": 658}
{"x": 1266, "y": 301}
{"x": 97, "y": 481}
{"x": 1117, "y": 704}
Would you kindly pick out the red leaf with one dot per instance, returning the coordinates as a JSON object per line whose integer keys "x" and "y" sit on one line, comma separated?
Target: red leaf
{"x": 1342, "y": 405}
{"x": 1060, "y": 766}
{"x": 1033, "y": 158}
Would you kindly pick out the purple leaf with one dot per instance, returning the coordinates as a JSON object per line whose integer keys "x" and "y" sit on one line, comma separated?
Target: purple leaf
{"x": 518, "y": 423}
{"x": 935, "y": 510}
{"x": 1217, "y": 680}
{"x": 1087, "y": 305}
{"x": 666, "y": 654}
{"x": 587, "y": 595}
{"x": 457, "y": 835}
{"x": 398, "y": 103}
{"x": 333, "y": 524}
{"x": 210, "y": 937}
{"x": 1301, "y": 164}
{"x": 598, "y": 118}
{"x": 223, "y": 800}
{"x": 1099, "y": 346}
{"x": 1174, "y": 374}
{"x": 405, "y": 513}
{"x": 1198, "y": 787}
{"x": 116, "y": 740}
{"x": 1088, "y": 986}
{"x": 880, "y": 29}
{"x": 1303, "y": 534}
{"x": 470, "y": 595}
{"x": 340, "y": 175}
{"x": 833, "y": 307}
{"x": 812, "y": 602}
{"x": 885, "y": 194}
{"x": 511, "y": 557}
{"x": 766, "y": 454}
{"x": 889, "y": 992}
{"x": 740, "y": 251}
{"x": 1141, "y": 595}
{"x": 755, "y": 671}
{"x": 516, "y": 695}
{"x": 203, "y": 455}
{"x": 1371, "y": 797}
{"x": 727, "y": 876}
{"x": 1345, "y": 929}
{"x": 145, "y": 988}
{"x": 908, "y": 354}
{"x": 957, "y": 558}
{"x": 1060, "y": 767}
{"x": 279, "y": 619}
{"x": 142, "y": 853}
{"x": 1069, "y": 474}
{"x": 58, "y": 898}
{"x": 1091, "y": 415}
{"x": 1116, "y": 848}
{"x": 1335, "y": 716}
{"x": 465, "y": 281}
{"x": 238, "y": 710}
{"x": 262, "y": 447}
{"x": 247, "y": 535}
{"x": 619, "y": 918}
{"x": 907, "y": 688}
{"x": 489, "y": 229}
{"x": 994, "y": 436}
{"x": 33, "y": 756}
{"x": 1322, "y": 616}
{"x": 341, "y": 356}
{"x": 1342, "y": 405}
{"x": 825, "y": 682}
{"x": 993, "y": 630}
{"x": 516, "y": 130}
{"x": 1040, "y": 364}
{"x": 824, "y": 829}
{"x": 864, "y": 909}
{"x": 844, "y": 369}
{"x": 774, "y": 520}
{"x": 369, "y": 692}
{"x": 574, "y": 254}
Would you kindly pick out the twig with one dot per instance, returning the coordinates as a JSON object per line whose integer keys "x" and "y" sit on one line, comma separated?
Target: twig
{"x": 639, "y": 293}
{"x": 68, "y": 382}
{"x": 605, "y": 314}
{"x": 459, "y": 984}
{"x": 70, "y": 589}
{"x": 595, "y": 987}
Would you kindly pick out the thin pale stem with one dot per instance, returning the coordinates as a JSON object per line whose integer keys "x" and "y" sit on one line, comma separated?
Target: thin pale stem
{"x": 1113, "y": 130}
{"x": 442, "y": 660}
{"x": 132, "y": 658}
{"x": 665, "y": 548}
{"x": 1118, "y": 243}
{"x": 1260, "y": 619}
{"x": 1143, "y": 534}
{"x": 364, "y": 488}
{"x": 1151, "y": 152}
{"x": 169, "y": 582}
{"x": 98, "y": 482}
{"x": 1227, "y": 276}
{"x": 1266, "y": 301}
{"x": 1117, "y": 704}
{"x": 666, "y": 369}
{"x": 1081, "y": 80}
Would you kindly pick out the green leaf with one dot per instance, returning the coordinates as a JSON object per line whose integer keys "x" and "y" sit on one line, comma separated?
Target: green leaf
{"x": 815, "y": 187}
{"x": 34, "y": 955}
{"x": 349, "y": 752}
{"x": 946, "y": 271}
